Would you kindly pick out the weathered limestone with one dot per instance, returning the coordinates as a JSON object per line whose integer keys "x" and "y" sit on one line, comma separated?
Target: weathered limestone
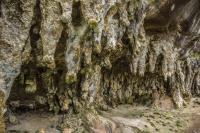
{"x": 77, "y": 54}
{"x": 15, "y": 23}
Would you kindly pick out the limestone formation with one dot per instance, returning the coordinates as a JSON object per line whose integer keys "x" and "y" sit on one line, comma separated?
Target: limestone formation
{"x": 79, "y": 54}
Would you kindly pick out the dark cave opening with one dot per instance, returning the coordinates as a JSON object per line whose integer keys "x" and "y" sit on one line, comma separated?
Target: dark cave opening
{"x": 27, "y": 93}
{"x": 77, "y": 16}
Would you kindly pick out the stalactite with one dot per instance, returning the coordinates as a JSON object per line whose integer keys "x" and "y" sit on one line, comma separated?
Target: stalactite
{"x": 76, "y": 54}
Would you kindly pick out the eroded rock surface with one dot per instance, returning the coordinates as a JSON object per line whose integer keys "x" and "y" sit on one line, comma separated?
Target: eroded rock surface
{"x": 75, "y": 54}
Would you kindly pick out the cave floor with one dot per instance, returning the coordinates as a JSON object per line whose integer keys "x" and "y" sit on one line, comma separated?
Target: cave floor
{"x": 131, "y": 118}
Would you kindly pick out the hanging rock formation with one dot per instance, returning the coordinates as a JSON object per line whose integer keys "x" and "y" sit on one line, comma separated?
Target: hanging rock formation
{"x": 74, "y": 54}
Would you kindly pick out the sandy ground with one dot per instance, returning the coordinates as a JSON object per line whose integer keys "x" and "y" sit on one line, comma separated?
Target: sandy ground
{"x": 32, "y": 122}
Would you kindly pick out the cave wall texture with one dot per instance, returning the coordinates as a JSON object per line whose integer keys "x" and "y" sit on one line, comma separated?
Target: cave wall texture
{"x": 97, "y": 53}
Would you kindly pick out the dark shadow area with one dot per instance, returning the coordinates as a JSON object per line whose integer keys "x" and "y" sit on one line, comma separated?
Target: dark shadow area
{"x": 77, "y": 16}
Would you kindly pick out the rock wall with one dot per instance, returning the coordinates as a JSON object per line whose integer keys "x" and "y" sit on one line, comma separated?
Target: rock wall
{"x": 70, "y": 54}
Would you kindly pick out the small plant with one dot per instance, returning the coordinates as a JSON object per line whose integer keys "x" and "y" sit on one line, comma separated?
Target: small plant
{"x": 178, "y": 123}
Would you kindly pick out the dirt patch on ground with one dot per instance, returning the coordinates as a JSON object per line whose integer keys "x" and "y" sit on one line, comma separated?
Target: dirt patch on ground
{"x": 32, "y": 122}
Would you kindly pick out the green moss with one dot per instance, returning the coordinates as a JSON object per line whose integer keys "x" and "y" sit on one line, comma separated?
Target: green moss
{"x": 71, "y": 78}
{"x": 85, "y": 70}
{"x": 178, "y": 123}
{"x": 195, "y": 55}
{"x": 54, "y": 108}
{"x": 92, "y": 23}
